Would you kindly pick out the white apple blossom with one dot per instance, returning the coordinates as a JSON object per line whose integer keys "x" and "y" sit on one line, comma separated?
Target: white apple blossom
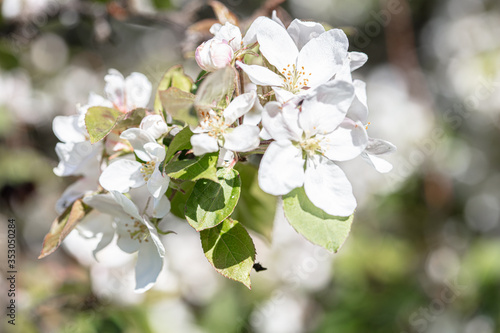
{"x": 299, "y": 69}
{"x": 308, "y": 141}
{"x": 135, "y": 234}
{"x": 215, "y": 130}
{"x": 125, "y": 173}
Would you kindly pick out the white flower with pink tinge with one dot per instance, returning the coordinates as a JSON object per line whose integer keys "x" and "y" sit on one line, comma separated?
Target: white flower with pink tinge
{"x": 315, "y": 63}
{"x": 308, "y": 143}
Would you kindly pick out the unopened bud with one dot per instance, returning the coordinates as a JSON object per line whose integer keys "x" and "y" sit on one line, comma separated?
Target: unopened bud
{"x": 213, "y": 55}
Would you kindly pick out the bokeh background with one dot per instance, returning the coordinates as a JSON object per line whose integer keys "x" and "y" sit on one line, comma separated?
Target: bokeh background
{"x": 424, "y": 250}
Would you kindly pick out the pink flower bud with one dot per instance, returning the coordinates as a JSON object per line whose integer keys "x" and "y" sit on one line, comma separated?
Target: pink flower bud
{"x": 214, "y": 54}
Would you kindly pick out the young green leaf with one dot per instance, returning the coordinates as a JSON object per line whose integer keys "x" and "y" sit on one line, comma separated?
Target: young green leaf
{"x": 193, "y": 169}
{"x": 62, "y": 226}
{"x": 100, "y": 121}
{"x": 181, "y": 141}
{"x": 230, "y": 250}
{"x": 216, "y": 90}
{"x": 313, "y": 223}
{"x": 131, "y": 119}
{"x": 179, "y": 104}
{"x": 256, "y": 208}
{"x": 174, "y": 77}
{"x": 212, "y": 202}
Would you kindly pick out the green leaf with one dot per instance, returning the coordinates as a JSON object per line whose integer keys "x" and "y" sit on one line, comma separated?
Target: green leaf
{"x": 62, "y": 226}
{"x": 174, "y": 77}
{"x": 181, "y": 141}
{"x": 230, "y": 250}
{"x": 100, "y": 121}
{"x": 256, "y": 208}
{"x": 313, "y": 223}
{"x": 215, "y": 90}
{"x": 181, "y": 195}
{"x": 212, "y": 202}
{"x": 179, "y": 104}
{"x": 131, "y": 119}
{"x": 194, "y": 169}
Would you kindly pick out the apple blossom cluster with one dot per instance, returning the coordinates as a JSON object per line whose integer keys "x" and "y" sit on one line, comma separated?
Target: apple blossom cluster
{"x": 280, "y": 99}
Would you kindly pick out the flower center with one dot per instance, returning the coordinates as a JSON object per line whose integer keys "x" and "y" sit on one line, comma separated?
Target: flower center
{"x": 147, "y": 169}
{"x": 138, "y": 231}
{"x": 294, "y": 80}
{"x": 215, "y": 125}
{"x": 311, "y": 145}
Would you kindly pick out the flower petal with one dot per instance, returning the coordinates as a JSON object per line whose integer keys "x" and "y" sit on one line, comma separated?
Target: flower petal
{"x": 121, "y": 176}
{"x": 357, "y": 59}
{"x": 204, "y": 143}
{"x": 261, "y": 75}
{"x": 138, "y": 138}
{"x": 378, "y": 163}
{"x": 302, "y": 32}
{"x": 66, "y": 129}
{"x": 128, "y": 206}
{"x": 281, "y": 169}
{"x": 379, "y": 147}
{"x": 138, "y": 91}
{"x": 106, "y": 203}
{"x": 77, "y": 158}
{"x": 239, "y": 106}
{"x": 154, "y": 125}
{"x": 115, "y": 88}
{"x": 161, "y": 207}
{"x": 328, "y": 188}
{"x": 155, "y": 151}
{"x": 346, "y": 142}
{"x": 323, "y": 112}
{"x": 276, "y": 44}
{"x": 242, "y": 138}
{"x": 281, "y": 122}
{"x": 359, "y": 108}
{"x": 158, "y": 184}
{"x": 148, "y": 267}
{"x": 323, "y": 56}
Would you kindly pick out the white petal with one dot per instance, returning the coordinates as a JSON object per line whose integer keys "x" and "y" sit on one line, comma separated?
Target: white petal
{"x": 138, "y": 138}
{"x": 77, "y": 158}
{"x": 230, "y": 34}
{"x": 378, "y": 163}
{"x": 115, "y": 88}
{"x": 155, "y": 151}
{"x": 204, "y": 143}
{"x": 75, "y": 191}
{"x": 138, "y": 91}
{"x": 276, "y": 44}
{"x": 225, "y": 158}
{"x": 121, "y": 176}
{"x": 359, "y": 109}
{"x": 323, "y": 112}
{"x": 239, "y": 106}
{"x": 281, "y": 169}
{"x": 251, "y": 34}
{"x": 242, "y": 138}
{"x": 154, "y": 125}
{"x": 282, "y": 95}
{"x": 276, "y": 19}
{"x": 158, "y": 184}
{"x": 302, "y": 32}
{"x": 358, "y": 59}
{"x": 261, "y": 75}
{"x": 346, "y": 142}
{"x": 281, "y": 122}
{"x": 254, "y": 116}
{"x": 161, "y": 207}
{"x": 323, "y": 56}
{"x": 148, "y": 267}
{"x": 125, "y": 242}
{"x": 379, "y": 147}
{"x": 66, "y": 129}
{"x": 106, "y": 203}
{"x": 328, "y": 188}
{"x": 128, "y": 206}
